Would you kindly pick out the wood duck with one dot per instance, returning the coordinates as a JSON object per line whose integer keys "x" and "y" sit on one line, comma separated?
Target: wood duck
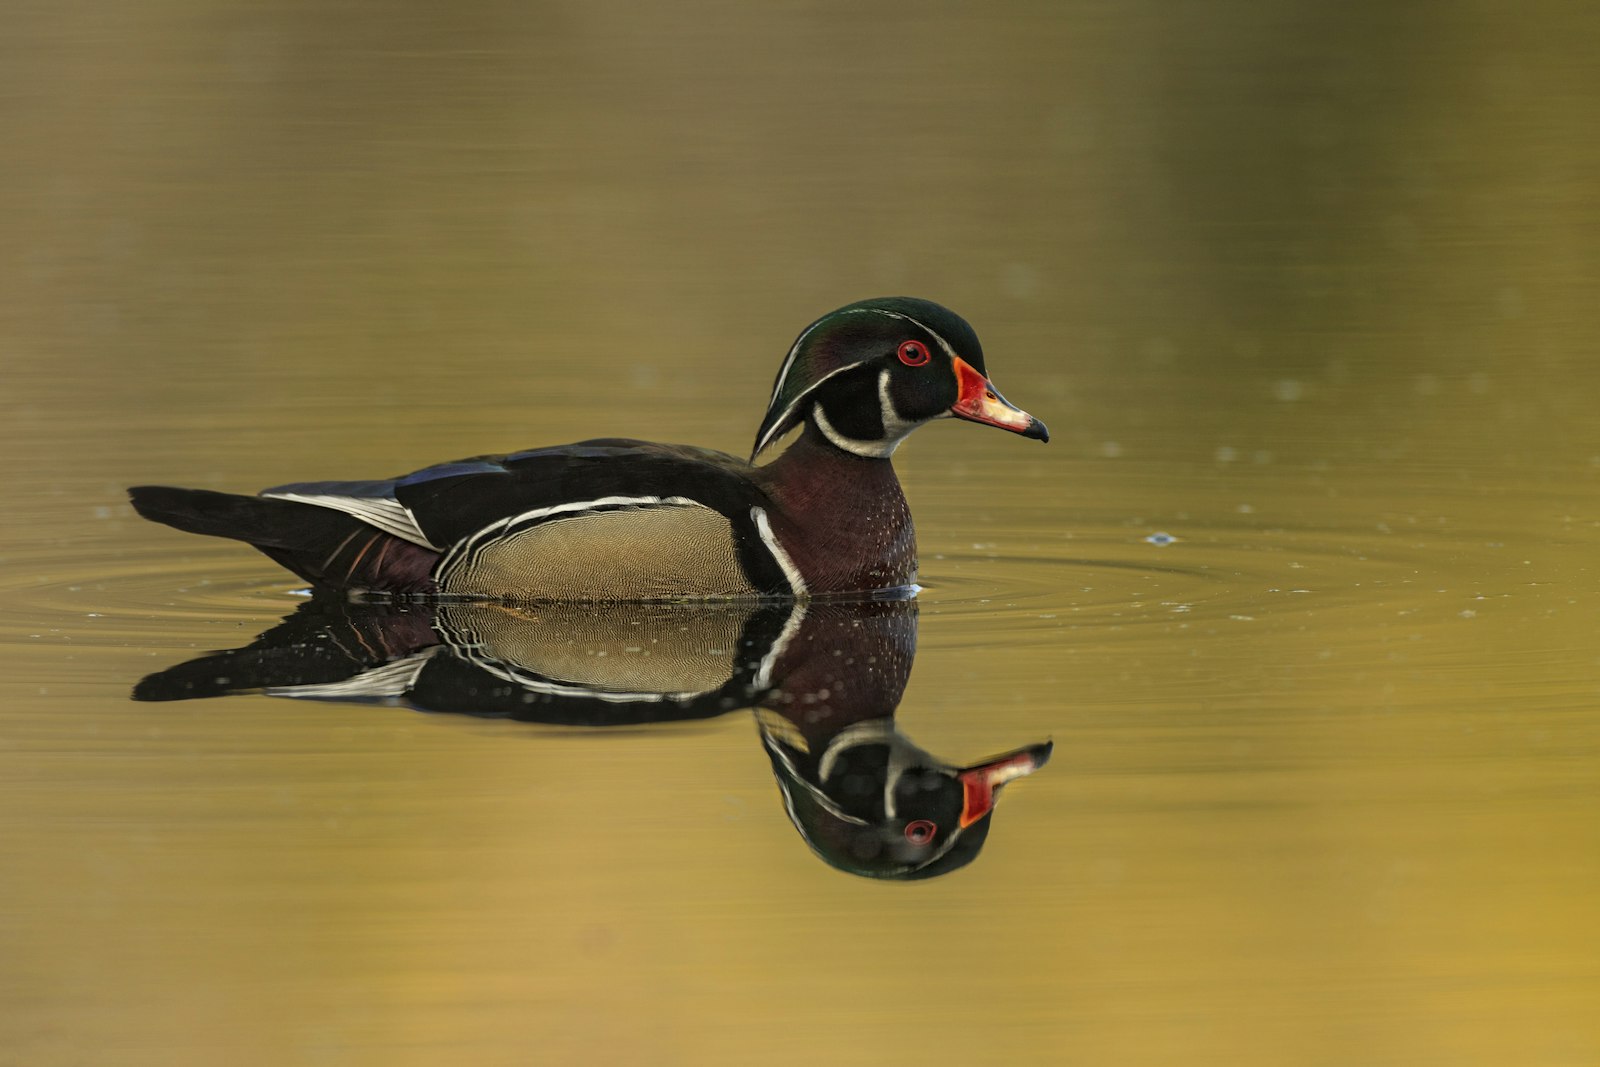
{"x": 825, "y": 678}
{"x": 615, "y": 519}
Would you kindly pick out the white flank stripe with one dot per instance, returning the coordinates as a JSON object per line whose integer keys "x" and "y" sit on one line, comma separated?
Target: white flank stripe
{"x": 488, "y": 532}
{"x": 605, "y": 502}
{"x": 574, "y": 690}
{"x": 797, "y": 584}
{"x": 464, "y": 551}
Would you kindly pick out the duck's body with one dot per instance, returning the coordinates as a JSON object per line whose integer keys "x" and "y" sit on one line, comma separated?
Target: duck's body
{"x": 618, "y": 519}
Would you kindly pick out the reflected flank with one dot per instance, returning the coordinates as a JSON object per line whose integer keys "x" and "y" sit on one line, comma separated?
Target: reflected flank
{"x": 824, "y": 678}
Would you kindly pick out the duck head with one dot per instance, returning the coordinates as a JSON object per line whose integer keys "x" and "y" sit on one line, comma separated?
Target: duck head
{"x": 869, "y": 373}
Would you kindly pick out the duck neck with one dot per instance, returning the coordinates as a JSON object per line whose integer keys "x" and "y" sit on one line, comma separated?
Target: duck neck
{"x": 843, "y": 515}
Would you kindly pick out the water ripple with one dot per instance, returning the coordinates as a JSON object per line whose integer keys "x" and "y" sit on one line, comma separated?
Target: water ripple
{"x": 1027, "y": 585}
{"x": 1114, "y": 580}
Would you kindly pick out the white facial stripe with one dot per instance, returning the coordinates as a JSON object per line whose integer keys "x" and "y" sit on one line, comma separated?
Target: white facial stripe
{"x": 902, "y": 756}
{"x": 894, "y": 427}
{"x": 788, "y": 411}
{"x": 872, "y": 731}
{"x": 783, "y": 372}
{"x": 866, "y": 449}
{"x": 788, "y": 362}
{"x": 920, "y": 325}
{"x": 796, "y": 778}
{"x": 862, "y": 733}
{"x": 791, "y": 573}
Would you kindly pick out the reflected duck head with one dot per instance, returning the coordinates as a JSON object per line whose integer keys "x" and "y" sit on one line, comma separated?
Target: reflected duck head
{"x": 872, "y": 803}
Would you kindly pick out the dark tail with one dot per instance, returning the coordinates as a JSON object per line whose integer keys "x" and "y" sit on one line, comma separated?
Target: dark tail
{"x": 322, "y": 642}
{"x": 259, "y": 521}
{"x": 319, "y": 544}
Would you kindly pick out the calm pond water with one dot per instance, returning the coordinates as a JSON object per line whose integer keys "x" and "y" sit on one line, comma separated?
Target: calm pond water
{"x": 1303, "y": 590}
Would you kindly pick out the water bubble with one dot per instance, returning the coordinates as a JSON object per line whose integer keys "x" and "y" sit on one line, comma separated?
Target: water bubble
{"x": 1020, "y": 281}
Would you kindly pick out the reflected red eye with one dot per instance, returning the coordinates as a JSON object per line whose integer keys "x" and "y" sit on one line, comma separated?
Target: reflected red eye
{"x": 913, "y": 354}
{"x": 921, "y": 831}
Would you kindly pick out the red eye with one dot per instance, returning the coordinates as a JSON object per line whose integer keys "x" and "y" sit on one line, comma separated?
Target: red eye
{"x": 913, "y": 354}
{"x": 921, "y": 831}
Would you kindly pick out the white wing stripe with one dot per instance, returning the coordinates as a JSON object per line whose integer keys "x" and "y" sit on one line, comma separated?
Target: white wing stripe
{"x": 390, "y": 680}
{"x": 386, "y": 514}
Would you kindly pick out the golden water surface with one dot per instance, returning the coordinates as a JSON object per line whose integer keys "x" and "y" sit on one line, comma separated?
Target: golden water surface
{"x": 1307, "y": 288}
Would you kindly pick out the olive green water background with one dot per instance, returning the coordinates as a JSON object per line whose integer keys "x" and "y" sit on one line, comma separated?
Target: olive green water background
{"x": 1309, "y": 287}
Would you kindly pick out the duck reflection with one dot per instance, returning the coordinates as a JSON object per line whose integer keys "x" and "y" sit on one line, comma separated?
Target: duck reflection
{"x": 824, "y": 680}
